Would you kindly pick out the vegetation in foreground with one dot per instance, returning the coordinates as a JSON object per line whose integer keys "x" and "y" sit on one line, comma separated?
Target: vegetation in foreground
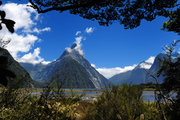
{"x": 119, "y": 103}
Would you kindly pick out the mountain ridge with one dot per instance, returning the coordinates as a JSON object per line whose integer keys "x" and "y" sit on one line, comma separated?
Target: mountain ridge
{"x": 50, "y": 70}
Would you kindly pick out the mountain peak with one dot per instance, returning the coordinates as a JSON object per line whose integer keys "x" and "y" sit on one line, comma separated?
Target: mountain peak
{"x": 74, "y": 46}
{"x": 74, "y": 50}
{"x": 72, "y": 68}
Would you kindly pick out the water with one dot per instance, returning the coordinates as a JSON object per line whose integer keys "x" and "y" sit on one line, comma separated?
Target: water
{"x": 89, "y": 95}
{"x": 148, "y": 96}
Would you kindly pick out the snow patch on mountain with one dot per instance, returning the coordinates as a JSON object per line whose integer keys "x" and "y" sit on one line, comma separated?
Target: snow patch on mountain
{"x": 148, "y": 63}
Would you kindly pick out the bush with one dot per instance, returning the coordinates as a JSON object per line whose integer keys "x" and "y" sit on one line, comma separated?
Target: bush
{"x": 122, "y": 103}
{"x": 19, "y": 104}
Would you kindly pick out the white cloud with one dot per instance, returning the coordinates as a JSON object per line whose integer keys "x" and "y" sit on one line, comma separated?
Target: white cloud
{"x": 78, "y": 32}
{"x": 23, "y": 40}
{"x": 45, "y": 62}
{"x": 89, "y": 30}
{"x": 36, "y": 30}
{"x": 20, "y": 43}
{"x": 78, "y": 41}
{"x": 109, "y": 72}
{"x": 33, "y": 58}
{"x": 78, "y": 46}
{"x": 21, "y": 14}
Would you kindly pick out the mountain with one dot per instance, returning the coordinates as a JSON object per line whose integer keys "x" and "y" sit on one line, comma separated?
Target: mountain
{"x": 120, "y": 78}
{"x": 33, "y": 69}
{"x": 71, "y": 69}
{"x": 135, "y": 76}
{"x": 154, "y": 69}
{"x": 22, "y": 78}
{"x": 71, "y": 75}
{"x": 140, "y": 73}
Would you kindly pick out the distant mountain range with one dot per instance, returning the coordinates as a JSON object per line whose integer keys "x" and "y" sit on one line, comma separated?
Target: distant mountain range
{"x": 140, "y": 73}
{"x": 70, "y": 70}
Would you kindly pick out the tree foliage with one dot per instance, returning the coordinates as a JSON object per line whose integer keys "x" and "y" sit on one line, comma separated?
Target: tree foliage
{"x": 126, "y": 12}
{"x": 170, "y": 68}
{"x": 4, "y": 72}
{"x": 174, "y": 22}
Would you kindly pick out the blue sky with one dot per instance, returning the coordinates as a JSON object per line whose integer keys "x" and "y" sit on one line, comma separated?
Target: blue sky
{"x": 106, "y": 47}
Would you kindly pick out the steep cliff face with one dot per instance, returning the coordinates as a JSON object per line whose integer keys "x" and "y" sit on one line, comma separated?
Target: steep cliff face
{"x": 70, "y": 74}
{"x": 22, "y": 78}
{"x": 98, "y": 80}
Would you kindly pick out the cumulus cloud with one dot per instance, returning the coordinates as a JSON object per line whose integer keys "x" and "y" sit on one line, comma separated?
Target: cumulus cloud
{"x": 21, "y": 14}
{"x": 78, "y": 40}
{"x": 36, "y": 30}
{"x": 20, "y": 43}
{"x": 77, "y": 47}
{"x": 23, "y": 40}
{"x": 89, "y": 30}
{"x": 33, "y": 58}
{"x": 109, "y": 72}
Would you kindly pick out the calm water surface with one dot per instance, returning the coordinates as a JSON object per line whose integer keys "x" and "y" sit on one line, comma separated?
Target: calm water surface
{"x": 147, "y": 95}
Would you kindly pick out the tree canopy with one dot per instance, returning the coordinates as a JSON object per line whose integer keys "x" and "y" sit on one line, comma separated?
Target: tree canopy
{"x": 126, "y": 12}
{"x": 174, "y": 22}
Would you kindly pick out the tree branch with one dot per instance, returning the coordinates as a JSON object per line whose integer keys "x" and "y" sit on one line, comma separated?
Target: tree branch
{"x": 63, "y": 8}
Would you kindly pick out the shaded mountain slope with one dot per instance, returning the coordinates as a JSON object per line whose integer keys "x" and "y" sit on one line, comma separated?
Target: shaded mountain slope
{"x": 22, "y": 78}
{"x": 71, "y": 75}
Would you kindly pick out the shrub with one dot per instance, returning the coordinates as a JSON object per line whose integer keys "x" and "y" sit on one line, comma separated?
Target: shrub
{"x": 122, "y": 103}
{"x": 19, "y": 104}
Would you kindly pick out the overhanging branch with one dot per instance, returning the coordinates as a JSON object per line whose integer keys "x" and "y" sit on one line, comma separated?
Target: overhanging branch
{"x": 62, "y": 8}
